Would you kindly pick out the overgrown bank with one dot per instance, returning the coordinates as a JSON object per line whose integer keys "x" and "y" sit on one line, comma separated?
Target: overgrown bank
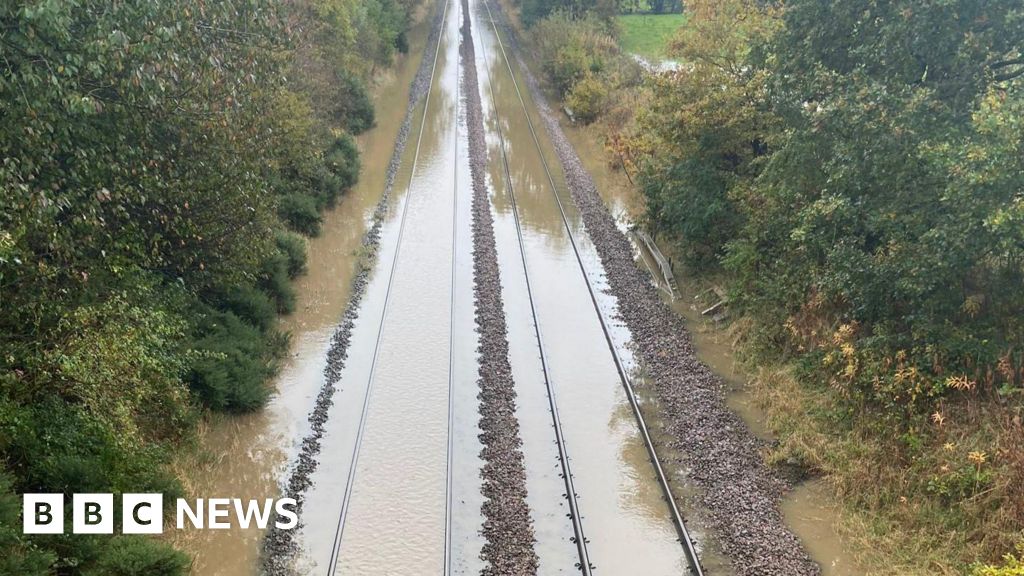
{"x": 856, "y": 183}
{"x": 162, "y": 163}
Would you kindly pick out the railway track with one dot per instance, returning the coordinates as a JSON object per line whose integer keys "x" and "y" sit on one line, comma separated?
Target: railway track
{"x": 683, "y": 534}
{"x": 332, "y": 568}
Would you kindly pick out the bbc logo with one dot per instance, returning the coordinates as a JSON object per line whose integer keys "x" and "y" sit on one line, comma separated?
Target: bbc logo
{"x": 144, "y": 513}
{"x": 92, "y": 513}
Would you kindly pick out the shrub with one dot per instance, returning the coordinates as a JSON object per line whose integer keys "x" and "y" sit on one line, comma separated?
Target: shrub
{"x": 293, "y": 247}
{"x": 571, "y": 49}
{"x": 1012, "y": 566}
{"x": 342, "y": 160}
{"x": 334, "y": 173}
{"x": 250, "y": 304}
{"x": 355, "y": 110}
{"x": 274, "y": 279}
{"x": 130, "y": 555}
{"x": 235, "y": 360}
{"x": 61, "y": 447}
{"x": 17, "y": 554}
{"x": 587, "y": 99}
{"x": 402, "y": 42}
{"x": 299, "y": 212}
{"x": 687, "y": 202}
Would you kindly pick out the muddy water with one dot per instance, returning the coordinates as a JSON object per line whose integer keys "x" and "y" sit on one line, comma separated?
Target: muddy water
{"x": 808, "y": 509}
{"x": 246, "y": 456}
{"x": 624, "y": 516}
{"x": 808, "y": 512}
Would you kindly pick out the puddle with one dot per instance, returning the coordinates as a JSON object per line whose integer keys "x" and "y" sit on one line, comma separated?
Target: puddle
{"x": 808, "y": 512}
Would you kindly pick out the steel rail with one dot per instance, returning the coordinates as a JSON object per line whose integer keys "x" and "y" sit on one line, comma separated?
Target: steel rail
{"x": 684, "y": 535}
{"x": 346, "y": 499}
{"x": 563, "y": 455}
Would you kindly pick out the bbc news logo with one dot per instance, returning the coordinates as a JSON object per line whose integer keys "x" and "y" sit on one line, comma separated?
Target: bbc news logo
{"x": 144, "y": 513}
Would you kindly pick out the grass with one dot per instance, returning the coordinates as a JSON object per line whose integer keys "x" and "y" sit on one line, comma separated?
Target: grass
{"x": 648, "y": 34}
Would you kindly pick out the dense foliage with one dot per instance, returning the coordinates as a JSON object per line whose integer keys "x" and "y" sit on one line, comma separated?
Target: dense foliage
{"x": 857, "y": 170}
{"x": 155, "y": 155}
{"x": 583, "y": 61}
{"x": 533, "y": 11}
{"x": 854, "y": 172}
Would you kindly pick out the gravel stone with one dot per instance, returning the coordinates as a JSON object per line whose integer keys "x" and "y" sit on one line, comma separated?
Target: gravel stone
{"x": 508, "y": 528}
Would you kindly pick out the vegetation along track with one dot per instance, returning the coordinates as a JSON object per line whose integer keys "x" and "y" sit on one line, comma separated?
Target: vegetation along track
{"x": 677, "y": 518}
{"x": 738, "y": 496}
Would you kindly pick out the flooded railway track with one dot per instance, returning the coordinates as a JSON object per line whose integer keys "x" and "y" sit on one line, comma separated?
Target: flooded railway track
{"x": 684, "y": 535}
{"x": 572, "y": 498}
{"x": 404, "y": 482}
{"x": 336, "y": 549}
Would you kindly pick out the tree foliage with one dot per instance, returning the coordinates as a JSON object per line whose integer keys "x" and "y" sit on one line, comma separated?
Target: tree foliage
{"x": 854, "y": 166}
{"x": 854, "y": 172}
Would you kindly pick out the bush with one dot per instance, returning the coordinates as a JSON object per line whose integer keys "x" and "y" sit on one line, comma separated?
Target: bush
{"x": 1012, "y": 566}
{"x": 250, "y": 304}
{"x": 355, "y": 111}
{"x": 17, "y": 554}
{"x": 402, "y": 42}
{"x": 293, "y": 247}
{"x": 131, "y": 555}
{"x": 342, "y": 160}
{"x": 299, "y": 212}
{"x": 587, "y": 99}
{"x": 235, "y": 361}
{"x": 275, "y": 280}
{"x": 571, "y": 49}
{"x": 687, "y": 203}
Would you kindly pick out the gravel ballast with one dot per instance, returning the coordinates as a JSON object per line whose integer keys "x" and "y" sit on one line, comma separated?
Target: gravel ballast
{"x": 279, "y": 546}
{"x": 739, "y": 495}
{"x": 508, "y": 530}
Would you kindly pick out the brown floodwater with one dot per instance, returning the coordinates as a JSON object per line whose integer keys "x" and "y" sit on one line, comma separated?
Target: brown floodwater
{"x": 625, "y": 518}
{"x": 247, "y": 456}
{"x": 809, "y": 509}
